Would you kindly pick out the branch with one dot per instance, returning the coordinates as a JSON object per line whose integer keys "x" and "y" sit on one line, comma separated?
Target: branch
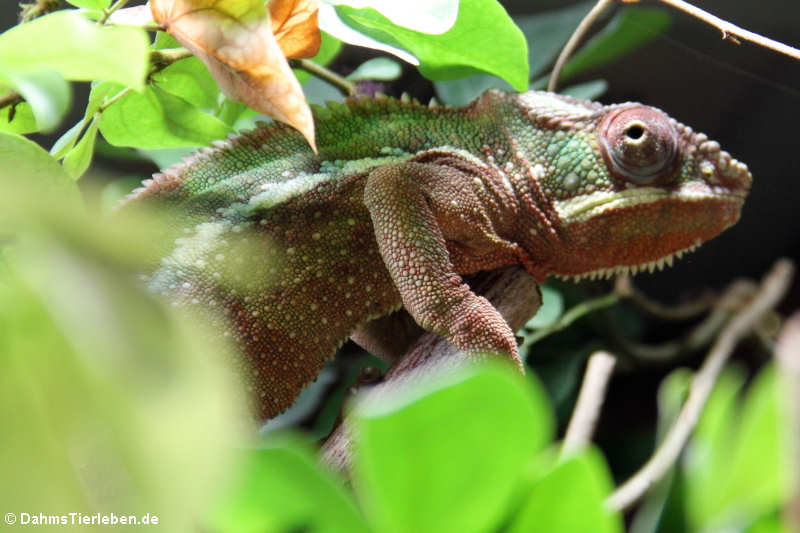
{"x": 110, "y": 11}
{"x": 772, "y": 289}
{"x": 590, "y": 18}
{"x": 344, "y": 85}
{"x": 515, "y": 295}
{"x": 573, "y": 314}
{"x": 590, "y": 400}
{"x": 731, "y": 31}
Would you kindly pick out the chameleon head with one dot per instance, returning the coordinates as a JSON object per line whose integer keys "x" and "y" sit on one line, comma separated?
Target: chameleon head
{"x": 631, "y": 188}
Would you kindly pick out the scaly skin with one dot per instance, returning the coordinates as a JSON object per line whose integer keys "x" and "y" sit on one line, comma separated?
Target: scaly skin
{"x": 300, "y": 251}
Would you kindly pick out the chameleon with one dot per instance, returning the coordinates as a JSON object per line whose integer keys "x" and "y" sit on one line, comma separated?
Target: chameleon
{"x": 298, "y": 251}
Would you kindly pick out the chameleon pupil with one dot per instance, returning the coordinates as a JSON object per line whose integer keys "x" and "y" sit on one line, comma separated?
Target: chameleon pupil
{"x": 635, "y": 132}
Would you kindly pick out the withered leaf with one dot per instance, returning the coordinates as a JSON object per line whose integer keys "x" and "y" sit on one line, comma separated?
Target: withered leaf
{"x": 234, "y": 39}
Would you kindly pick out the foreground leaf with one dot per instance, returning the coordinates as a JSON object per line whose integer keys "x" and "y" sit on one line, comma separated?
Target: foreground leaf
{"x": 281, "y": 489}
{"x": 235, "y": 41}
{"x": 448, "y": 458}
{"x": 736, "y": 468}
{"x": 113, "y": 402}
{"x": 68, "y": 43}
{"x": 569, "y": 499}
{"x": 45, "y": 91}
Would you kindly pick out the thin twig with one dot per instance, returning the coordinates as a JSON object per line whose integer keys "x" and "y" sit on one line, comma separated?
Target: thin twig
{"x": 624, "y": 287}
{"x": 124, "y": 92}
{"x": 160, "y": 59}
{"x": 11, "y": 98}
{"x": 590, "y": 400}
{"x": 119, "y": 4}
{"x": 575, "y": 38}
{"x": 37, "y": 9}
{"x": 569, "y": 317}
{"x": 730, "y": 31}
{"x": 736, "y": 296}
{"x": 346, "y": 87}
{"x": 772, "y": 289}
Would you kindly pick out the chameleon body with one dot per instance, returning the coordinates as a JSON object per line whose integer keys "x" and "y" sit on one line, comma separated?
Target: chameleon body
{"x": 300, "y": 251}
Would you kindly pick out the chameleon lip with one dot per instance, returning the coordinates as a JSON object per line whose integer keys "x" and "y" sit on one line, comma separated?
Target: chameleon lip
{"x": 583, "y": 208}
{"x": 651, "y": 266}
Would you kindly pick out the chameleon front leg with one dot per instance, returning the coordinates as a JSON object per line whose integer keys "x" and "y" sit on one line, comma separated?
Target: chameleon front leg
{"x": 401, "y": 200}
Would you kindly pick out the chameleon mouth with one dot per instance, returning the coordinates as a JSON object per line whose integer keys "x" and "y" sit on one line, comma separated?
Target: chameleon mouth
{"x": 583, "y": 208}
{"x": 651, "y": 266}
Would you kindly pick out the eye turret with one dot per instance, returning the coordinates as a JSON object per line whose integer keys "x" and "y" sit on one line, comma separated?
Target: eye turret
{"x": 639, "y": 145}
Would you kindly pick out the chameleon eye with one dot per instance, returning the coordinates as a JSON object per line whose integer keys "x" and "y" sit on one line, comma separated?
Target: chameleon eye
{"x": 639, "y": 144}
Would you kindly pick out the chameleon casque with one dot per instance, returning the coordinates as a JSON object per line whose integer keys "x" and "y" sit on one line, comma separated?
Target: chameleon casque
{"x": 300, "y": 251}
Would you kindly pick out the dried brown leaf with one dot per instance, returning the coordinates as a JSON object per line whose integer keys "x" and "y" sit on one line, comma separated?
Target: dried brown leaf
{"x": 294, "y": 23}
{"x": 235, "y": 41}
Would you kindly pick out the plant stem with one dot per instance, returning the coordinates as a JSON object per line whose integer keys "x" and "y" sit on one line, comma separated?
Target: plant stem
{"x": 569, "y": 317}
{"x": 591, "y": 17}
{"x": 347, "y": 87}
{"x": 590, "y": 400}
{"x": 108, "y": 12}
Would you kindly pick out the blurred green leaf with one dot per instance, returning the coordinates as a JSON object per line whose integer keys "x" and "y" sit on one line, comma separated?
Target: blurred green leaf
{"x": 551, "y": 309}
{"x": 44, "y": 90}
{"x": 78, "y": 158}
{"x": 471, "y": 45}
{"x": 27, "y": 168}
{"x": 66, "y": 42}
{"x": 158, "y": 119}
{"x": 22, "y": 122}
{"x": 282, "y": 489}
{"x": 447, "y": 455}
{"x": 630, "y": 29}
{"x": 113, "y": 401}
{"x": 735, "y": 467}
{"x": 378, "y": 68}
{"x": 570, "y": 499}
{"x": 90, "y": 4}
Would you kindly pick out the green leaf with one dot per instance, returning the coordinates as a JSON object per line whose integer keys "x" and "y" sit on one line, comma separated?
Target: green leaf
{"x": 483, "y": 27}
{"x": 447, "y": 455}
{"x": 65, "y": 143}
{"x": 68, "y": 43}
{"x": 22, "y": 122}
{"x": 90, "y": 4}
{"x": 78, "y": 158}
{"x": 157, "y": 119}
{"x": 378, "y": 68}
{"x": 44, "y": 90}
{"x": 118, "y": 403}
{"x": 551, "y": 309}
{"x": 28, "y": 167}
{"x": 426, "y": 16}
{"x": 570, "y": 499}
{"x": 737, "y": 466}
{"x": 283, "y": 489}
{"x": 189, "y": 79}
{"x": 629, "y": 29}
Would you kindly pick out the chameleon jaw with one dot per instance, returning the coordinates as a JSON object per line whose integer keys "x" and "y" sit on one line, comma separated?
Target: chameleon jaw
{"x": 651, "y": 266}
